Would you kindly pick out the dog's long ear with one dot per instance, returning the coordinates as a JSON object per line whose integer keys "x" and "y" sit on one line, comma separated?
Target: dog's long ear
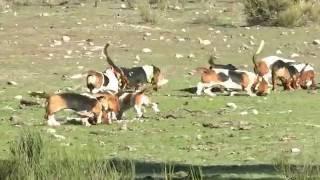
{"x": 99, "y": 98}
{"x": 123, "y": 78}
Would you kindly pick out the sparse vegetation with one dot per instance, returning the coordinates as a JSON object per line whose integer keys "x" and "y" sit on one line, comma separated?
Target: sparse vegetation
{"x": 305, "y": 169}
{"x": 147, "y": 14}
{"x": 281, "y": 12}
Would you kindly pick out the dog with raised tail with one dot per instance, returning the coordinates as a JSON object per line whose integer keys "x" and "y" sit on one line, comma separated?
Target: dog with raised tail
{"x": 137, "y": 76}
{"x": 139, "y": 100}
{"x": 95, "y": 109}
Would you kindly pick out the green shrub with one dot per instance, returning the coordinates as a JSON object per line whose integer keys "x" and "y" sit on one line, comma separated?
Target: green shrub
{"x": 147, "y": 14}
{"x": 281, "y": 12}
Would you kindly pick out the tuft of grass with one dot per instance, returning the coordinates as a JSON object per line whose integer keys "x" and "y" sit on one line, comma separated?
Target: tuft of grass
{"x": 305, "y": 169}
{"x": 146, "y": 13}
{"x": 30, "y": 160}
{"x": 281, "y": 12}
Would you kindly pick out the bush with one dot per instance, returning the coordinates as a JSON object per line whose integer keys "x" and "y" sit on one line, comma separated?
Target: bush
{"x": 281, "y": 12}
{"x": 147, "y": 14}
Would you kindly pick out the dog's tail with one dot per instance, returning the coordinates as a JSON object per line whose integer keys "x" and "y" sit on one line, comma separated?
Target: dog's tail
{"x": 124, "y": 80}
{"x": 211, "y": 62}
{"x": 254, "y": 57}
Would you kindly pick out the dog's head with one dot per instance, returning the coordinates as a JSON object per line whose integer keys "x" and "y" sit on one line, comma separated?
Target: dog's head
{"x": 262, "y": 87}
{"x": 109, "y": 103}
{"x": 95, "y": 80}
{"x": 158, "y": 79}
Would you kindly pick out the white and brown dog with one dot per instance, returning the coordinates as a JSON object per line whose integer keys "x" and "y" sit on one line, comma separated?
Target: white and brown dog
{"x": 139, "y": 100}
{"x": 137, "y": 76}
{"x": 102, "y": 81}
{"x": 230, "y": 80}
{"x": 95, "y": 109}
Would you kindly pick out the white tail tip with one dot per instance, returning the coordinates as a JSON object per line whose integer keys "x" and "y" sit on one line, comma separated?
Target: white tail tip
{"x": 260, "y": 47}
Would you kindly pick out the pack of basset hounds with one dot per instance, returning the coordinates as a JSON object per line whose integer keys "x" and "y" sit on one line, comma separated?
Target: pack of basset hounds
{"x": 116, "y": 89}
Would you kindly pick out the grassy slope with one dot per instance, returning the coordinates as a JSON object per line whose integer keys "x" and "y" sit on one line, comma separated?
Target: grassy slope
{"x": 182, "y": 139}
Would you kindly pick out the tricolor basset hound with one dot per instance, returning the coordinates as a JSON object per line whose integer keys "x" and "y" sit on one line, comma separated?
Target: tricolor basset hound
{"x": 231, "y": 80}
{"x": 139, "y": 100}
{"x": 95, "y": 109}
{"x": 137, "y": 76}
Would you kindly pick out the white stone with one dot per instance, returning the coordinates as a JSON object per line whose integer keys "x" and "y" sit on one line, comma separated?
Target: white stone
{"x": 232, "y": 105}
{"x": 204, "y": 42}
{"x": 146, "y": 50}
{"x": 295, "y": 150}
{"x": 57, "y": 43}
{"x": 190, "y": 56}
{"x": 244, "y": 113}
{"x": 316, "y": 42}
{"x": 147, "y": 34}
{"x": 18, "y": 97}
{"x": 255, "y": 112}
{"x": 178, "y": 56}
{"x": 294, "y": 55}
{"x": 278, "y": 51}
{"x": 12, "y": 83}
{"x": 123, "y": 6}
{"x": 138, "y": 57}
{"x": 66, "y": 38}
{"x": 183, "y": 30}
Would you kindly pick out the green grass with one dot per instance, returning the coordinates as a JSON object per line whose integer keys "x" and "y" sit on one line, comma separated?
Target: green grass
{"x": 182, "y": 140}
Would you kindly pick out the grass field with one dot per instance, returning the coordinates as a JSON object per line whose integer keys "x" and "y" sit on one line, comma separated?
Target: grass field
{"x": 285, "y": 120}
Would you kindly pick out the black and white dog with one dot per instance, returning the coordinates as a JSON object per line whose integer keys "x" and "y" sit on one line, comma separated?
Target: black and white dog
{"x": 137, "y": 76}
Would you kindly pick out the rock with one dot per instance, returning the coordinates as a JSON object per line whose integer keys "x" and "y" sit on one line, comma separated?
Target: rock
{"x": 138, "y": 58}
{"x": 204, "y": 42}
{"x": 161, "y": 38}
{"x": 243, "y": 113}
{"x": 146, "y": 50}
{"x": 66, "y": 39}
{"x": 251, "y": 37}
{"x": 13, "y": 83}
{"x": 177, "y": 8}
{"x": 18, "y": 97}
{"x": 278, "y": 52}
{"x": 190, "y": 56}
{"x": 14, "y": 118}
{"x": 316, "y": 42}
{"x": 183, "y": 30}
{"x": 123, "y": 6}
{"x": 57, "y": 43}
{"x": 295, "y": 150}
{"x": 294, "y": 55}
{"x": 232, "y": 105}
{"x": 45, "y": 14}
{"x": 255, "y": 112}
{"x": 147, "y": 34}
{"x": 178, "y": 56}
